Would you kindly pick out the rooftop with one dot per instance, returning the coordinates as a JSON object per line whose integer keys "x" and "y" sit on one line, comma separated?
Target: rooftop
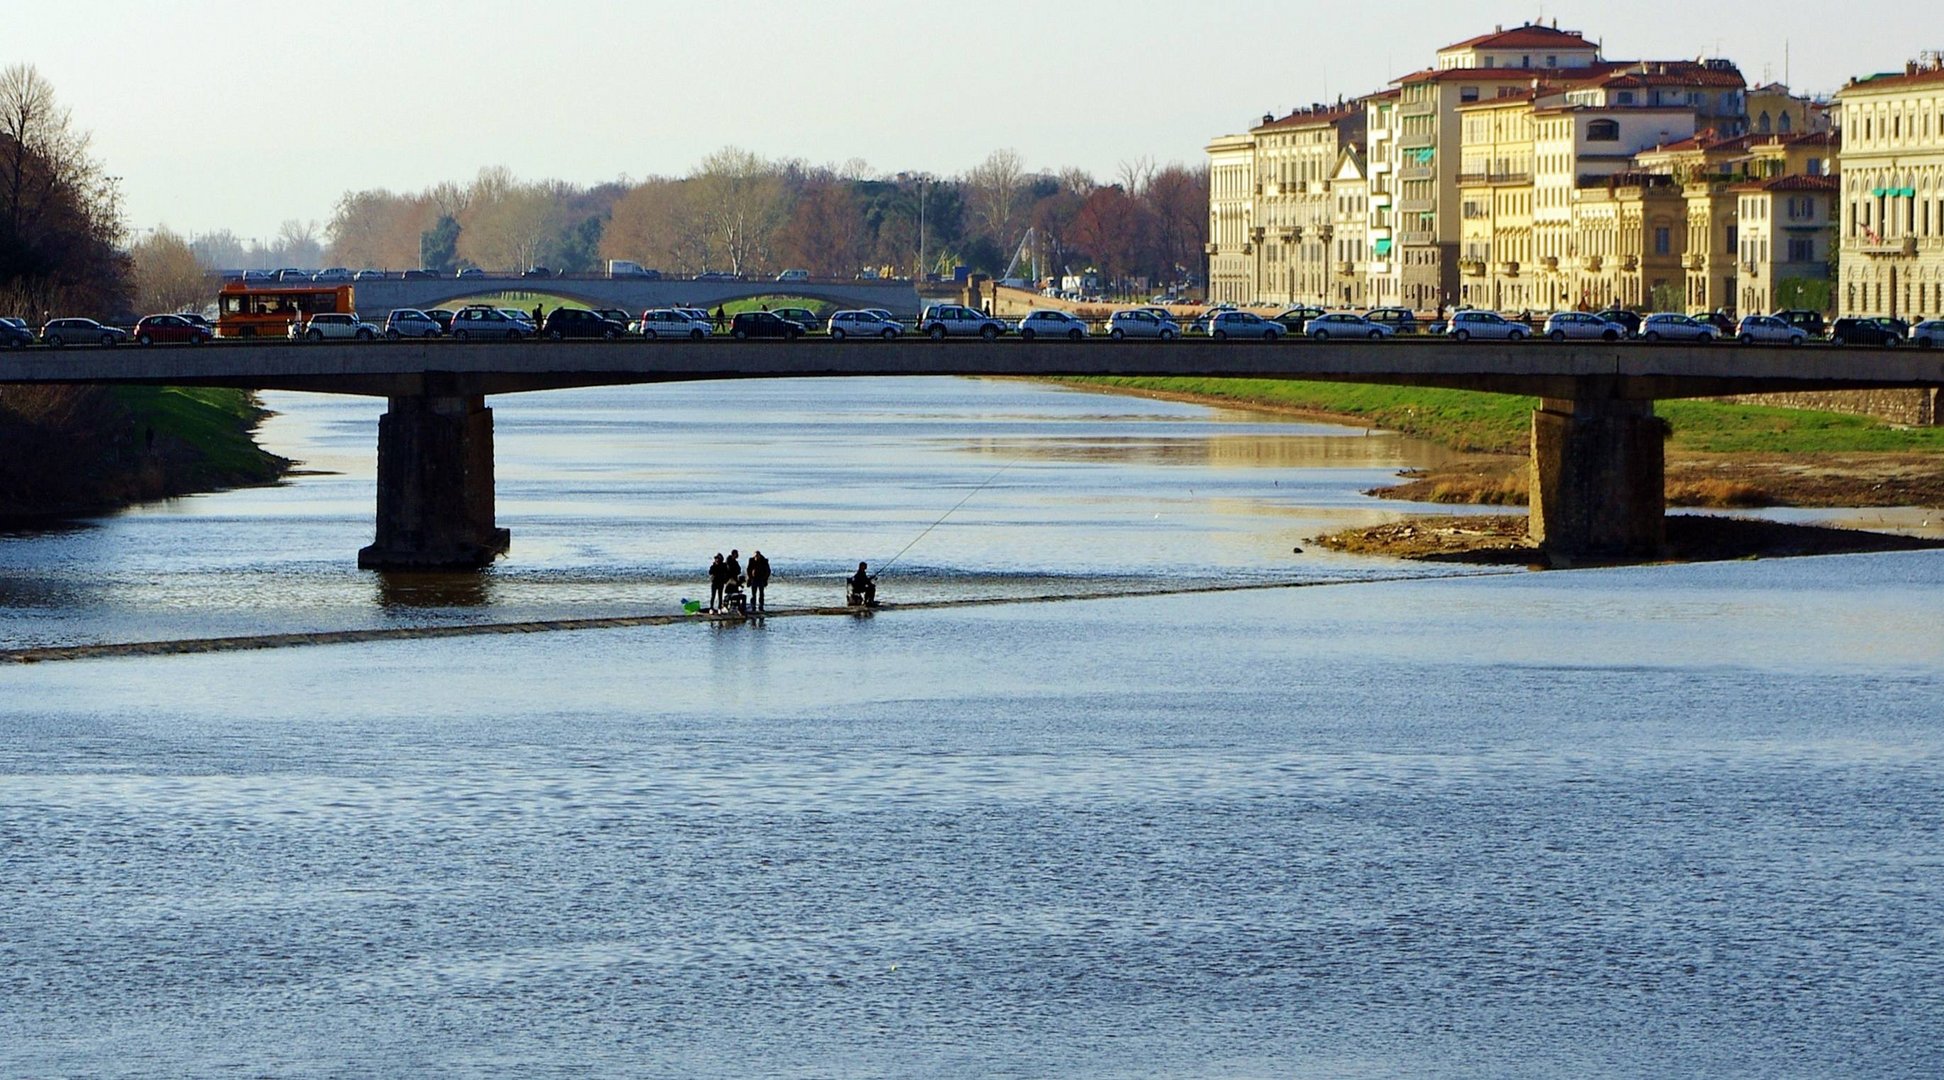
{"x": 1529, "y": 36}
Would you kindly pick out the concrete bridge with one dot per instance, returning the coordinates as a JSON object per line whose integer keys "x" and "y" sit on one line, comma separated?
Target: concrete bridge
{"x": 631, "y": 294}
{"x": 1598, "y": 463}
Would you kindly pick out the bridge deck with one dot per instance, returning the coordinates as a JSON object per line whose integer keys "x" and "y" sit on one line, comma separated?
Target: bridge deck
{"x": 1629, "y": 370}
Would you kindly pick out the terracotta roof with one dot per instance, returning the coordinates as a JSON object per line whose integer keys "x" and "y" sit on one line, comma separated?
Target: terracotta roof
{"x": 1712, "y": 139}
{"x": 1504, "y": 74}
{"x": 1530, "y": 36}
{"x": 1826, "y": 184}
{"x": 1895, "y": 80}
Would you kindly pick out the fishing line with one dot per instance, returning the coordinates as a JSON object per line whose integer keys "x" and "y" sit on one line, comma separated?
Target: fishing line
{"x": 882, "y": 567}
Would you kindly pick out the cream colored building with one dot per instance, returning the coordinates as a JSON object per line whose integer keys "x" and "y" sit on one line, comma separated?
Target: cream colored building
{"x": 1630, "y": 231}
{"x": 1495, "y": 203}
{"x": 1787, "y": 226}
{"x": 1576, "y": 145}
{"x": 1231, "y": 200}
{"x": 1296, "y": 157}
{"x": 1350, "y": 194}
{"x": 1892, "y": 232}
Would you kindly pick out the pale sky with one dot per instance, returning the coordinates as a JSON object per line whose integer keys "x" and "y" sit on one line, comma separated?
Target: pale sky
{"x": 227, "y": 114}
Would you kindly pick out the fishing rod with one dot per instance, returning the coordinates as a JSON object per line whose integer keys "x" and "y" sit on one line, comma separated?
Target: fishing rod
{"x": 941, "y": 518}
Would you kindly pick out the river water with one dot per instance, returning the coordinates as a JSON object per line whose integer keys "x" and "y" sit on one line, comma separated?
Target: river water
{"x": 1663, "y": 821}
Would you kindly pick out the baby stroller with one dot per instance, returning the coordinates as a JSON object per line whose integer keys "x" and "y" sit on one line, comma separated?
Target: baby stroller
{"x": 734, "y": 600}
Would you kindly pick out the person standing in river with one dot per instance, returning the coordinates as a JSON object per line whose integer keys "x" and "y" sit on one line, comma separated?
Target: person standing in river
{"x": 734, "y": 563}
{"x": 718, "y": 576}
{"x": 759, "y": 575}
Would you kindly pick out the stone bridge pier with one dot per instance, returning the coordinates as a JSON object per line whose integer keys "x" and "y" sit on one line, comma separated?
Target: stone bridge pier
{"x": 1598, "y": 475}
{"x": 435, "y": 484}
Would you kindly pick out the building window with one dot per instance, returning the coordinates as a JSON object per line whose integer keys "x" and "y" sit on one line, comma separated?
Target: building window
{"x": 1663, "y": 241}
{"x": 1468, "y": 93}
{"x": 1603, "y": 131}
{"x": 1626, "y": 97}
{"x": 1783, "y": 124}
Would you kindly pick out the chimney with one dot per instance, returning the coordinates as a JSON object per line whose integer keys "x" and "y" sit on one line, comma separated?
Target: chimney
{"x": 1268, "y": 118}
{"x": 1910, "y": 68}
{"x": 1498, "y": 28}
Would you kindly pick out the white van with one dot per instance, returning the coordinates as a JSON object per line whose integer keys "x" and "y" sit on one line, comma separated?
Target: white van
{"x": 624, "y": 268}
{"x": 794, "y": 275}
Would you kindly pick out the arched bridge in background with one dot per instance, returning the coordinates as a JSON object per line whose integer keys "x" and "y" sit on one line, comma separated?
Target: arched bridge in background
{"x": 631, "y": 294}
{"x": 1598, "y": 471}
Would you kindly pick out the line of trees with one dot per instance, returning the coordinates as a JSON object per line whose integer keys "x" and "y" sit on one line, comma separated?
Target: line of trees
{"x": 740, "y": 212}
{"x": 60, "y": 213}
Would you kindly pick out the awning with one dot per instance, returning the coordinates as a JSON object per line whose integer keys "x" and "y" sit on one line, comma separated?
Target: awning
{"x": 1383, "y": 247}
{"x": 1894, "y": 192}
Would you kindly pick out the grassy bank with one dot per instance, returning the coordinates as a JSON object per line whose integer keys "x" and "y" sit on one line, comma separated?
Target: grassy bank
{"x": 1500, "y": 423}
{"x": 68, "y": 451}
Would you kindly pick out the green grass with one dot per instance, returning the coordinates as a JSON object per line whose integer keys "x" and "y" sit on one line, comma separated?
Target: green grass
{"x": 758, "y": 303}
{"x": 1500, "y": 423}
{"x": 217, "y": 422}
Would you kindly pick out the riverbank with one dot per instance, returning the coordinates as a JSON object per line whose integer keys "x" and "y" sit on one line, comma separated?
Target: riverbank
{"x": 1500, "y": 540}
{"x": 1719, "y": 455}
{"x": 72, "y": 451}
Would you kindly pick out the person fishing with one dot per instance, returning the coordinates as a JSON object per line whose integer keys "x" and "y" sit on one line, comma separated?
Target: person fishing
{"x": 863, "y": 587}
{"x": 759, "y": 575}
{"x": 718, "y": 576}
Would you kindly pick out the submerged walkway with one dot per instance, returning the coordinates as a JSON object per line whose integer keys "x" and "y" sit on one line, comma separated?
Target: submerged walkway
{"x": 246, "y": 643}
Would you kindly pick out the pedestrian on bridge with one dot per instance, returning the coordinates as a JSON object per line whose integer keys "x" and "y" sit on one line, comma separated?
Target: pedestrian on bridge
{"x": 759, "y": 575}
{"x": 721, "y": 319}
{"x": 718, "y": 577}
{"x": 536, "y": 318}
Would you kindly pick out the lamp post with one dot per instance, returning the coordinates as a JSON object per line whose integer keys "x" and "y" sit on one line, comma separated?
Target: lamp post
{"x": 924, "y": 184}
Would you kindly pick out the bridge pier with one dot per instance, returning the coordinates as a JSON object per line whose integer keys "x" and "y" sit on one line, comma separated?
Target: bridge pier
{"x": 435, "y": 485}
{"x": 1598, "y": 478}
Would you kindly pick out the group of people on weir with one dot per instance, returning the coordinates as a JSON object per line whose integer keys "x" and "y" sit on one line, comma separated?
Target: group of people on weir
{"x": 736, "y": 589}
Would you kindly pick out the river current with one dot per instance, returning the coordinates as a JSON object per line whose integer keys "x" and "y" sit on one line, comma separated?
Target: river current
{"x": 1389, "y": 821}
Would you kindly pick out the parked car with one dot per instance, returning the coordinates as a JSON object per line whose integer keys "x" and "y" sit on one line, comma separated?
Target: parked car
{"x": 1928, "y": 334}
{"x": 614, "y": 313}
{"x": 1768, "y": 328}
{"x": 1809, "y": 322}
{"x": 1141, "y": 323}
{"x": 379, "y": 275}
{"x": 1579, "y": 326}
{"x": 13, "y": 335}
{"x": 800, "y": 315}
{"x": 698, "y": 314}
{"x": 537, "y": 272}
{"x": 1723, "y": 323}
{"x": 198, "y": 319}
{"x": 1243, "y": 324}
{"x": 470, "y": 272}
{"x": 293, "y": 275}
{"x": 442, "y": 316}
{"x": 411, "y": 322}
{"x": 1051, "y": 323}
{"x": 1294, "y": 319}
{"x": 718, "y": 275}
{"x": 568, "y": 322}
{"x": 672, "y": 323}
{"x": 418, "y": 275}
{"x": 1345, "y": 324}
{"x": 521, "y": 315}
{"x": 1400, "y": 319}
{"x": 335, "y": 273}
{"x": 956, "y": 320}
{"x": 479, "y": 320}
{"x": 340, "y": 325}
{"x": 764, "y": 324}
{"x": 1622, "y": 317}
{"x": 259, "y": 277}
{"x": 845, "y": 324}
{"x": 171, "y": 329}
{"x": 793, "y": 275}
{"x": 1670, "y": 326}
{"x": 1872, "y": 331}
{"x": 1486, "y": 326}
{"x": 59, "y": 332}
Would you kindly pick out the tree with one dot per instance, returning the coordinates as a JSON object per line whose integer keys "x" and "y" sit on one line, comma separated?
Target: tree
{"x": 577, "y": 250}
{"x": 742, "y": 201}
{"x": 657, "y": 223}
{"x": 439, "y": 245}
{"x": 825, "y": 233}
{"x": 60, "y": 215}
{"x": 508, "y": 226}
{"x": 1177, "y": 199}
{"x": 993, "y": 192}
{"x": 167, "y": 275}
{"x": 1113, "y": 229}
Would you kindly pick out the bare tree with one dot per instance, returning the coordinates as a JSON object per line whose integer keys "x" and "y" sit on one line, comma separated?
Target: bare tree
{"x": 825, "y": 233}
{"x": 508, "y": 229}
{"x": 167, "y": 275}
{"x": 994, "y": 190}
{"x": 656, "y": 223}
{"x": 1135, "y": 175}
{"x": 60, "y": 214}
{"x": 742, "y": 200}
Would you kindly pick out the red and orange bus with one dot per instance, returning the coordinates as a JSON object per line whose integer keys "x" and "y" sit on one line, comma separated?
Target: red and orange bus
{"x": 267, "y": 310}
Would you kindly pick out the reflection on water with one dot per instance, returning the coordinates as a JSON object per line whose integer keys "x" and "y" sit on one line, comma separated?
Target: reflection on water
{"x": 411, "y": 589}
{"x": 1376, "y": 450}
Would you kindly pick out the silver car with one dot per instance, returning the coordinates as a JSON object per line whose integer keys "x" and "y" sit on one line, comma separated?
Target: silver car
{"x": 1141, "y": 323}
{"x": 671, "y": 323}
{"x": 1668, "y": 326}
{"x": 1344, "y": 324}
{"x": 1768, "y": 328}
{"x": 1928, "y": 334}
{"x": 1054, "y": 324}
{"x": 1243, "y": 324}
{"x": 1486, "y": 326}
{"x": 411, "y": 322}
{"x": 1579, "y": 326}
{"x": 845, "y": 324}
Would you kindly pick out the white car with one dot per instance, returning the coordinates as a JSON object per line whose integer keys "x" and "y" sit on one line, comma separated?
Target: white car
{"x": 1141, "y": 323}
{"x": 672, "y": 323}
{"x": 845, "y": 324}
{"x": 1579, "y": 326}
{"x": 1054, "y": 324}
{"x": 1486, "y": 326}
{"x": 1668, "y": 326}
{"x": 339, "y": 325}
{"x": 1244, "y": 324}
{"x": 478, "y": 320}
{"x": 956, "y": 320}
{"x": 524, "y": 316}
{"x": 1344, "y": 324}
{"x": 1768, "y": 328}
{"x": 411, "y": 322}
{"x": 1928, "y": 334}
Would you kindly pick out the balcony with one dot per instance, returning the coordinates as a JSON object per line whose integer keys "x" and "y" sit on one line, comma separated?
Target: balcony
{"x": 1417, "y": 108}
{"x": 1345, "y": 269}
{"x": 1417, "y": 172}
{"x": 1416, "y": 142}
{"x": 1507, "y": 268}
{"x": 1211, "y": 249}
{"x": 1591, "y": 263}
{"x": 1629, "y": 263}
{"x": 1417, "y": 238}
{"x": 1694, "y": 260}
{"x": 1509, "y": 178}
{"x": 1472, "y": 267}
{"x": 1416, "y": 206}
{"x": 1906, "y": 245}
{"x": 1549, "y": 262}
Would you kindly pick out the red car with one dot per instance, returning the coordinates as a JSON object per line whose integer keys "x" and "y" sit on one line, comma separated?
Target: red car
{"x": 171, "y": 329}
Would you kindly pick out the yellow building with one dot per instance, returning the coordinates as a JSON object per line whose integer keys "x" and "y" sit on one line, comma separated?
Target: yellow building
{"x": 1231, "y": 200}
{"x": 1495, "y": 203}
{"x": 1296, "y": 157}
{"x": 1350, "y": 192}
{"x": 1892, "y": 247}
{"x": 1629, "y": 231}
{"x": 1787, "y": 226}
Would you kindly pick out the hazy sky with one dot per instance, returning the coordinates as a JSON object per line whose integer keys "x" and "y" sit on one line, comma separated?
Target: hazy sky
{"x": 228, "y": 114}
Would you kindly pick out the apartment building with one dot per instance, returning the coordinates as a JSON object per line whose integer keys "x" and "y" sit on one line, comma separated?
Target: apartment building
{"x": 1577, "y": 146}
{"x": 1231, "y": 201}
{"x": 1296, "y": 160}
{"x": 1629, "y": 230}
{"x": 1350, "y": 192}
{"x": 1787, "y": 226}
{"x": 1495, "y": 203}
{"x": 1892, "y": 192}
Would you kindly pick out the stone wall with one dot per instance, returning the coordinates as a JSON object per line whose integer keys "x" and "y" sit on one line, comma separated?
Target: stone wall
{"x": 1918, "y": 408}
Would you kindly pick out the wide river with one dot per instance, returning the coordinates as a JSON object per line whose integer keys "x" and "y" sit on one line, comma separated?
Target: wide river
{"x": 1388, "y": 820}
